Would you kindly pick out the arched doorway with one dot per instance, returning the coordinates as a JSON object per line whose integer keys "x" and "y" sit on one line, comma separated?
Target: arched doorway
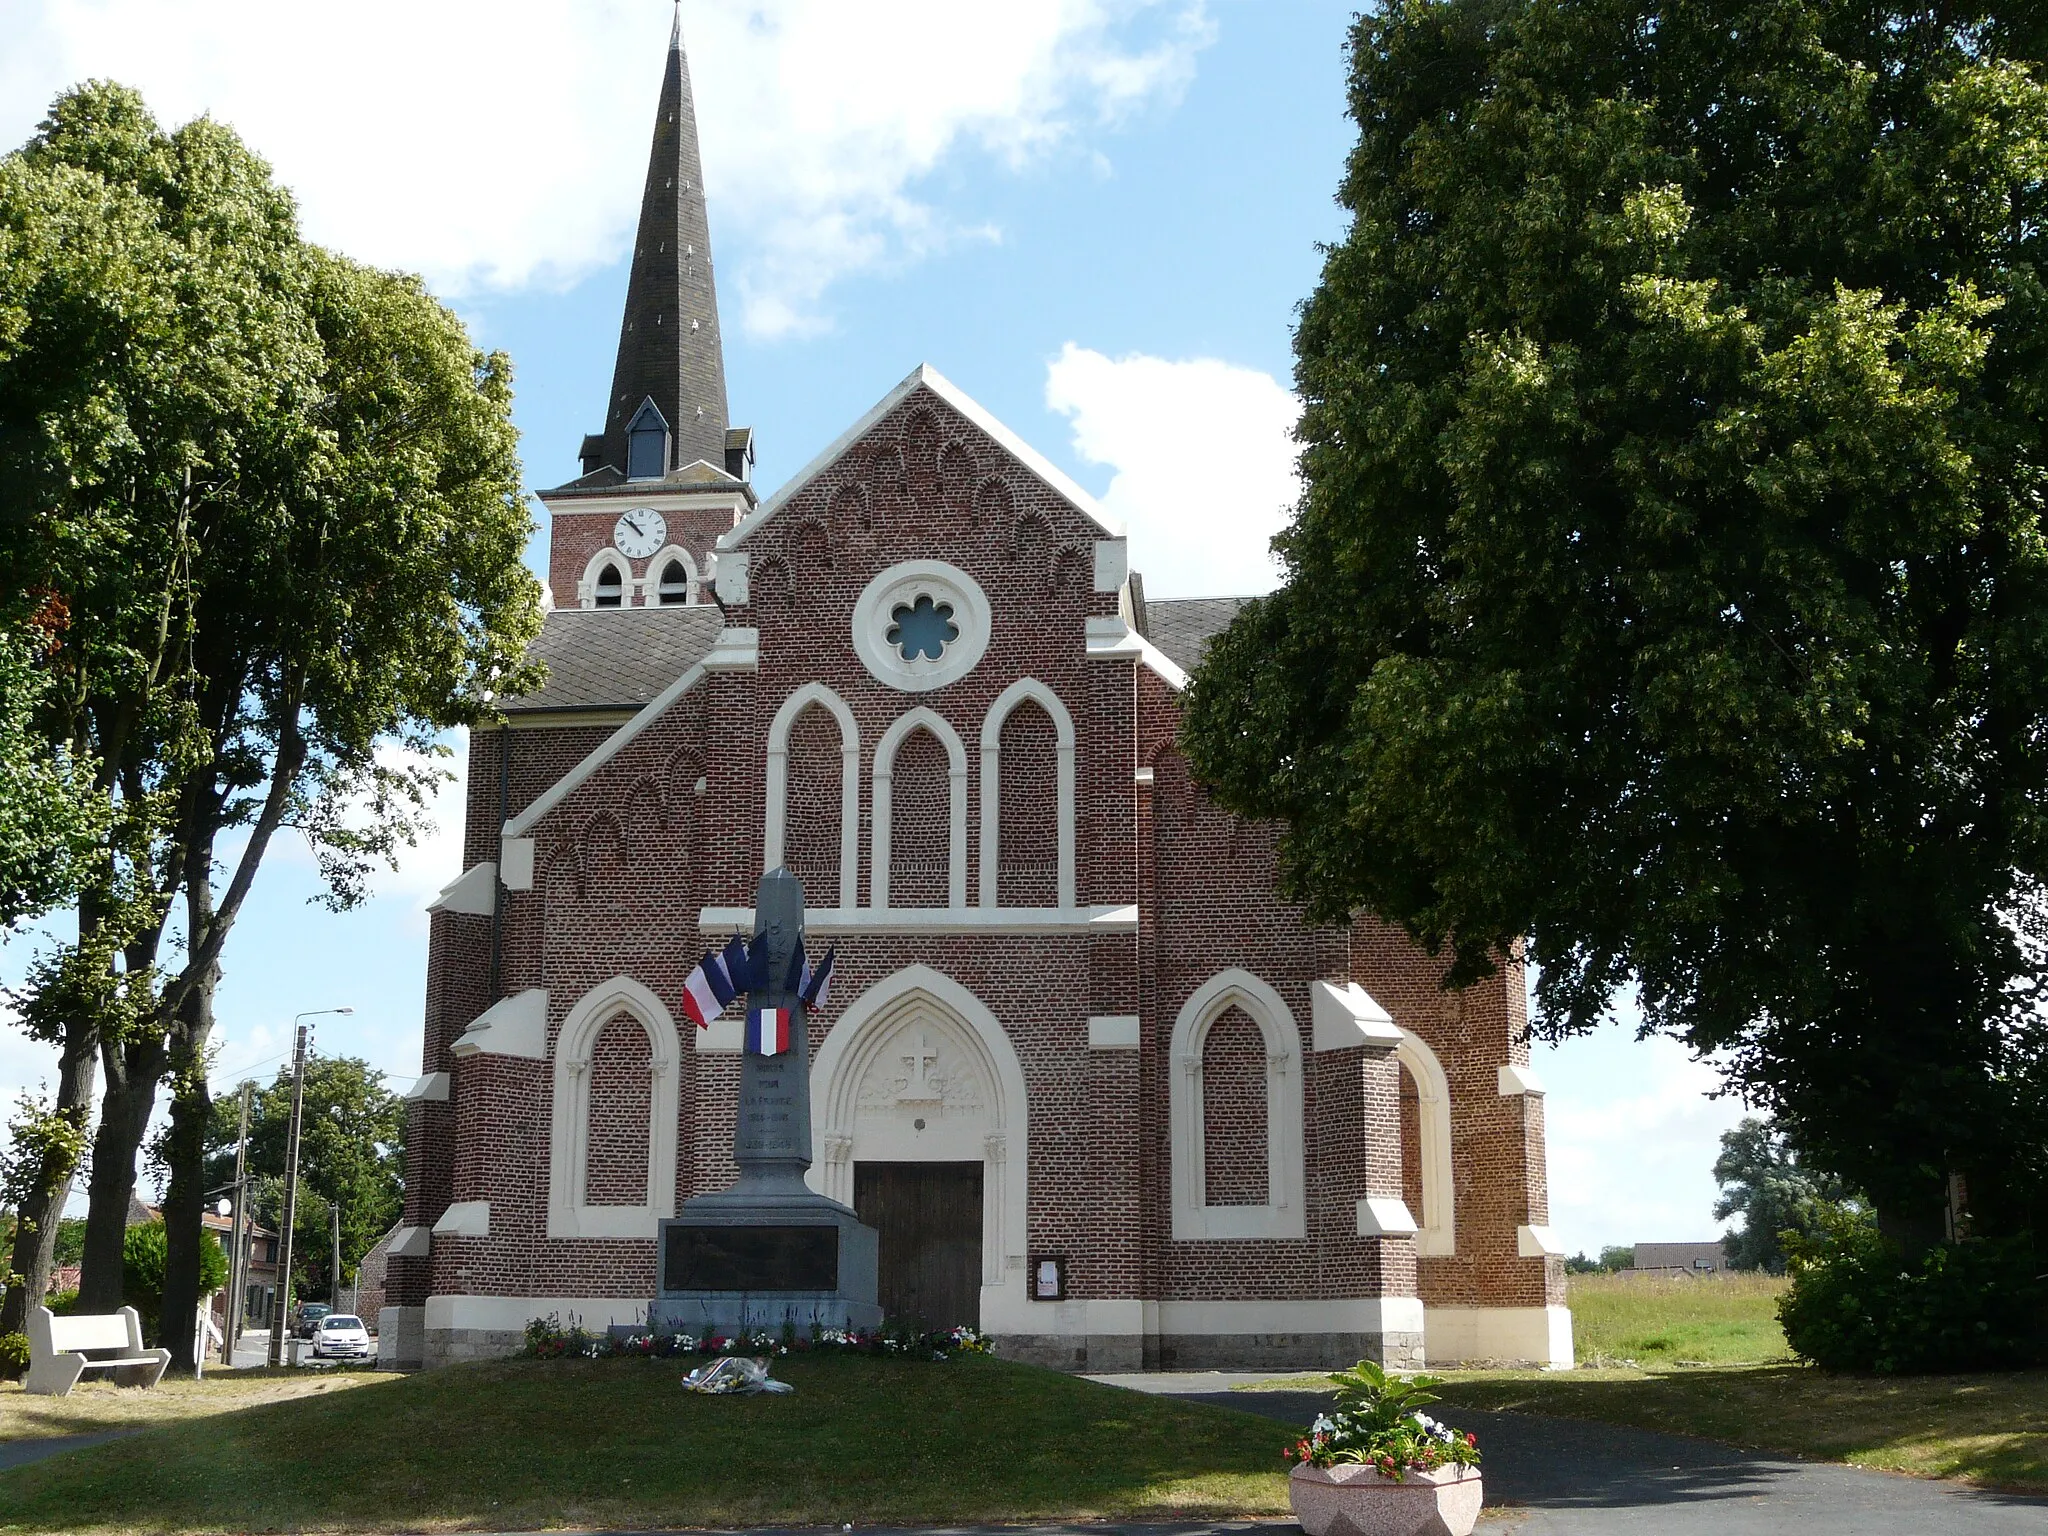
{"x": 917, "y": 1105}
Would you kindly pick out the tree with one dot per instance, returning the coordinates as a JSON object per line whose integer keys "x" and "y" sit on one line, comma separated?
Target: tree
{"x": 1669, "y": 588}
{"x": 1764, "y": 1181}
{"x": 38, "y": 1141}
{"x": 278, "y": 495}
{"x": 351, "y": 1153}
{"x": 145, "y": 1249}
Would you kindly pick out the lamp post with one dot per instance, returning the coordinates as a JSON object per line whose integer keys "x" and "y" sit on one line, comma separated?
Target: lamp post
{"x": 291, "y": 1181}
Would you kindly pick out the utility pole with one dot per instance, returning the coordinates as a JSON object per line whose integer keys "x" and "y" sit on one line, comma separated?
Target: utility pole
{"x": 238, "y": 1258}
{"x": 334, "y": 1253}
{"x": 291, "y": 1201}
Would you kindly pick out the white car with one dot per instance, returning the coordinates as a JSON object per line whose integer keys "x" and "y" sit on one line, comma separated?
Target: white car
{"x": 341, "y": 1337}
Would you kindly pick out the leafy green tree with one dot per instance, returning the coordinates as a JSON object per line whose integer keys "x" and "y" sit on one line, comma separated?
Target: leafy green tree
{"x": 145, "y": 1250}
{"x": 1615, "y": 1259}
{"x": 278, "y": 495}
{"x": 351, "y": 1153}
{"x": 1765, "y": 1182}
{"x": 38, "y": 1140}
{"x": 1669, "y": 586}
{"x": 50, "y": 817}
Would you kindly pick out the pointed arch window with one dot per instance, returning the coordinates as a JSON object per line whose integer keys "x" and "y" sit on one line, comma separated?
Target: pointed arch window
{"x": 611, "y": 588}
{"x": 647, "y": 443}
{"x": 674, "y": 590}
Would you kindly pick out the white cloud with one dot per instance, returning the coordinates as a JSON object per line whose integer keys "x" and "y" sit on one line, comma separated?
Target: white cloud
{"x": 1632, "y": 1137}
{"x": 1204, "y": 461}
{"x": 495, "y": 146}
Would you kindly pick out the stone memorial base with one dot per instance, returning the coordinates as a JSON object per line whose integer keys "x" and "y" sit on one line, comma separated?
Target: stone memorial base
{"x": 740, "y": 1261}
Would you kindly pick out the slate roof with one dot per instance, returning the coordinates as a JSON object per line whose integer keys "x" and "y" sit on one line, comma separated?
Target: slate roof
{"x": 1182, "y": 627}
{"x": 616, "y": 658}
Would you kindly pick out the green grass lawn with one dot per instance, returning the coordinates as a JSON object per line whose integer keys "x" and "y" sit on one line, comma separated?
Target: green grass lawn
{"x": 1732, "y": 1320}
{"x": 94, "y": 1406}
{"x": 524, "y": 1444}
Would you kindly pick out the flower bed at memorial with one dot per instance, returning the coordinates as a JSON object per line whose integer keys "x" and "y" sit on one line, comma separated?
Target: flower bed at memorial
{"x": 1377, "y": 1421}
{"x": 548, "y": 1338}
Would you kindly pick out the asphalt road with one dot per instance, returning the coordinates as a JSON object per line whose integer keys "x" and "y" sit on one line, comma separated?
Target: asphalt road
{"x": 1560, "y": 1477}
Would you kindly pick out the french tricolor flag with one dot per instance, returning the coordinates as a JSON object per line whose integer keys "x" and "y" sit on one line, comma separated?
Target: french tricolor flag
{"x": 769, "y": 1030}
{"x": 716, "y": 981}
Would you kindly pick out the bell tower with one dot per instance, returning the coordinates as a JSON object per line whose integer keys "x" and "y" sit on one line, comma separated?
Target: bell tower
{"x": 668, "y": 474}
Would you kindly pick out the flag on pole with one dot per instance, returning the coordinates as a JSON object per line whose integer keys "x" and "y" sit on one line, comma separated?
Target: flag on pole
{"x": 740, "y": 969}
{"x": 708, "y": 991}
{"x": 817, "y": 984}
{"x": 769, "y": 1031}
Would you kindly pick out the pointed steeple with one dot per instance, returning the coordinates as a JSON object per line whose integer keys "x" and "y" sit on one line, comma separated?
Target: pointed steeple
{"x": 670, "y": 352}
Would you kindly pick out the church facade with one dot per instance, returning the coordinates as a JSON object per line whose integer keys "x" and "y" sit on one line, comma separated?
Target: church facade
{"x": 1103, "y": 1091}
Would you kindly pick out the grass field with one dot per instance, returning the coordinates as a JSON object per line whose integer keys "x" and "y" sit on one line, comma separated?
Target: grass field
{"x": 1620, "y": 1320}
{"x": 100, "y": 1405}
{"x": 524, "y": 1444}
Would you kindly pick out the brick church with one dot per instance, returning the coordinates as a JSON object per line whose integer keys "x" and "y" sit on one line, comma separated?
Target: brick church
{"x": 1103, "y": 1092}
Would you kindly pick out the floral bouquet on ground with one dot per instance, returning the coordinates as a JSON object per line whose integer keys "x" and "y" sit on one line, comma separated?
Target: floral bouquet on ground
{"x": 1377, "y": 1421}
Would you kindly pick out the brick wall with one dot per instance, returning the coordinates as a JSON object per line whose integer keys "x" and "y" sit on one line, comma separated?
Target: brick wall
{"x": 1234, "y": 1079}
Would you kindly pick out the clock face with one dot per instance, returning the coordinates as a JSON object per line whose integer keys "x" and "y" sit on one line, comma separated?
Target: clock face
{"x": 640, "y": 533}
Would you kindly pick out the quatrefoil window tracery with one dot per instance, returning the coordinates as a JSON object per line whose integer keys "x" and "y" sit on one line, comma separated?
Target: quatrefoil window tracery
{"x": 923, "y": 628}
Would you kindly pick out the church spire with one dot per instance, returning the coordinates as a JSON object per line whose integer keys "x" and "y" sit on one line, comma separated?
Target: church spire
{"x": 669, "y": 347}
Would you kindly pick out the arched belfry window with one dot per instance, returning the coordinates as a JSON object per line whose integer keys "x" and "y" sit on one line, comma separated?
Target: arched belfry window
{"x": 611, "y": 588}
{"x": 647, "y": 443}
{"x": 674, "y": 590}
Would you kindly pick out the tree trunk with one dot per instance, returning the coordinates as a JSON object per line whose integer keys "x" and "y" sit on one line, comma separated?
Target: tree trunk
{"x": 133, "y": 1072}
{"x": 42, "y": 1209}
{"x": 185, "y": 1198}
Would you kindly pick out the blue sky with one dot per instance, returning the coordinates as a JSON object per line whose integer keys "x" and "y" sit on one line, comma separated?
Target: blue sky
{"x": 1096, "y": 216}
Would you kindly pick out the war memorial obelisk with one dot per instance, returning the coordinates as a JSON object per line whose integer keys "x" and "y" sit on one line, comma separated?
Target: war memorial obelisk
{"x": 770, "y": 1250}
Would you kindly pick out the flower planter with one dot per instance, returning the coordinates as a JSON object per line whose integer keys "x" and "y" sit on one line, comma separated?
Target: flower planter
{"x": 1355, "y": 1500}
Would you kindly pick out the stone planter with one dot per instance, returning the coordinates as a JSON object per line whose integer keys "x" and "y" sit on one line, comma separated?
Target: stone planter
{"x": 1355, "y": 1500}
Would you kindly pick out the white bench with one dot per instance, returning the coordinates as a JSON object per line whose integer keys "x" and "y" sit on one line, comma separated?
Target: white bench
{"x": 62, "y": 1349}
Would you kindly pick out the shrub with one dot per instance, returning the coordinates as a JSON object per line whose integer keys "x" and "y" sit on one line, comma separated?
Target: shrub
{"x": 142, "y": 1272}
{"x": 13, "y": 1355}
{"x": 1858, "y": 1303}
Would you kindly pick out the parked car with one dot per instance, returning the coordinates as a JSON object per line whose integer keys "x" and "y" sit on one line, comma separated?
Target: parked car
{"x": 341, "y": 1336}
{"x": 307, "y": 1318}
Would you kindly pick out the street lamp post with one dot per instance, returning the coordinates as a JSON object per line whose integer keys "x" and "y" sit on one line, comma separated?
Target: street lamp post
{"x": 291, "y": 1181}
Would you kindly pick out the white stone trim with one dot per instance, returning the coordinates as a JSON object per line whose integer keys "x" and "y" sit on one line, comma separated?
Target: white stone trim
{"x": 512, "y": 1026}
{"x": 938, "y": 920}
{"x": 650, "y": 584}
{"x": 1537, "y": 1242}
{"x": 511, "y": 1314}
{"x": 431, "y": 1089}
{"x": 1112, "y": 564}
{"x": 991, "y": 786}
{"x": 586, "y": 584}
{"x": 411, "y": 1243}
{"x": 729, "y": 576}
{"x": 1365, "y": 1314}
{"x": 849, "y": 788}
{"x": 1113, "y": 1032}
{"x": 465, "y": 1218}
{"x": 1344, "y": 1017}
{"x": 900, "y": 583}
{"x": 1498, "y": 1335}
{"x": 736, "y": 649}
{"x": 1438, "y": 1233}
{"x": 722, "y": 1037}
{"x": 1110, "y": 639}
{"x": 569, "y": 1140}
{"x": 473, "y": 893}
{"x": 884, "y": 795}
{"x": 603, "y": 753}
{"x": 1283, "y": 1215}
{"x": 928, "y": 377}
{"x": 515, "y": 862}
{"x": 1516, "y": 1081}
{"x": 1381, "y": 1216}
{"x": 836, "y": 1074}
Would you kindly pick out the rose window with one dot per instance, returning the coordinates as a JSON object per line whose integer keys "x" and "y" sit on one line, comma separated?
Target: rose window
{"x": 922, "y": 629}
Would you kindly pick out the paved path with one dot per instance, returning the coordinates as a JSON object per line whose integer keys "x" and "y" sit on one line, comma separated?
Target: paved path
{"x": 19, "y": 1453}
{"x": 1562, "y": 1477}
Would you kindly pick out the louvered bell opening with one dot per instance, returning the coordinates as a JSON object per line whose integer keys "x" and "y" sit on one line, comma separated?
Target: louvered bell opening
{"x": 674, "y": 590}
{"x": 611, "y": 589}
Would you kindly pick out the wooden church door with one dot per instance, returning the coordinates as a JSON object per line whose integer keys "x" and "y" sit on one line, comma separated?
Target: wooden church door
{"x": 929, "y": 1218}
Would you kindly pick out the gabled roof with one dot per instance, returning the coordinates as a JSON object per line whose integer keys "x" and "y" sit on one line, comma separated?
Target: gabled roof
{"x": 924, "y": 376}
{"x": 1182, "y": 627}
{"x": 615, "y": 658}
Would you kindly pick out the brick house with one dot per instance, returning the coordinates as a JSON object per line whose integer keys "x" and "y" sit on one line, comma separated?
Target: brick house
{"x": 1103, "y": 1091}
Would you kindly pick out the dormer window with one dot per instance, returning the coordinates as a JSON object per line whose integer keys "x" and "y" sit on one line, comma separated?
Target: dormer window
{"x": 674, "y": 590}
{"x": 611, "y": 588}
{"x": 647, "y": 443}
